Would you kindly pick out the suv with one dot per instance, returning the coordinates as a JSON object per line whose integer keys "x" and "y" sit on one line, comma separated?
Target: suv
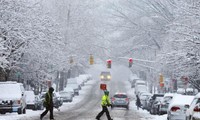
{"x": 12, "y": 97}
{"x": 105, "y": 76}
{"x": 120, "y": 100}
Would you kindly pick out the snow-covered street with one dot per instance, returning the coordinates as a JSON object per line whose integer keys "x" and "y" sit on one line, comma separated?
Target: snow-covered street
{"x": 87, "y": 105}
{"x": 100, "y": 59}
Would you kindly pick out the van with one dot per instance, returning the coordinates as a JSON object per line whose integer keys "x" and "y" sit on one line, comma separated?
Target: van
{"x": 12, "y": 97}
{"x": 140, "y": 82}
{"x": 140, "y": 89}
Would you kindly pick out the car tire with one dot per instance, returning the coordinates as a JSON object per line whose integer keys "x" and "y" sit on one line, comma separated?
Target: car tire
{"x": 151, "y": 112}
{"x": 19, "y": 111}
{"x": 127, "y": 107}
{"x": 24, "y": 111}
{"x": 3, "y": 112}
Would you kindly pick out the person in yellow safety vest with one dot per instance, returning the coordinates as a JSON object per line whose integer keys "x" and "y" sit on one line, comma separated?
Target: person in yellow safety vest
{"x": 105, "y": 102}
{"x": 48, "y": 103}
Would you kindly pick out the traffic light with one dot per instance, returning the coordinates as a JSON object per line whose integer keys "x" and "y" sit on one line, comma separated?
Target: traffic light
{"x": 161, "y": 81}
{"x": 130, "y": 62}
{"x": 109, "y": 63}
{"x": 91, "y": 60}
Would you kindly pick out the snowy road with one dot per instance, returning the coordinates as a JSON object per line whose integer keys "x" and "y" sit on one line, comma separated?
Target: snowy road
{"x": 87, "y": 105}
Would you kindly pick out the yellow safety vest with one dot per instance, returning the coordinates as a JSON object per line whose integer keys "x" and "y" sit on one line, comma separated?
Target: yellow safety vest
{"x": 105, "y": 100}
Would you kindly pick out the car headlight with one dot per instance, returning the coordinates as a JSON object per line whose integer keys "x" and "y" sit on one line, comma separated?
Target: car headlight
{"x": 102, "y": 77}
{"x": 108, "y": 77}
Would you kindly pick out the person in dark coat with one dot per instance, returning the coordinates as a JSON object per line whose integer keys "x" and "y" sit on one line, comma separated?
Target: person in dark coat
{"x": 48, "y": 104}
{"x": 138, "y": 102}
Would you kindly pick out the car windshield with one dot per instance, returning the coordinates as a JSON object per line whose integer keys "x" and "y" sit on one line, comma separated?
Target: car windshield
{"x": 105, "y": 73}
{"x": 120, "y": 96}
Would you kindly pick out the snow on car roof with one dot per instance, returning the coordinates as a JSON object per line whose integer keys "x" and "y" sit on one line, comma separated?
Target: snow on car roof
{"x": 146, "y": 93}
{"x": 169, "y": 94}
{"x": 197, "y": 95}
{"x": 10, "y": 90}
{"x": 30, "y": 95}
{"x": 140, "y": 81}
{"x": 120, "y": 93}
{"x": 181, "y": 100}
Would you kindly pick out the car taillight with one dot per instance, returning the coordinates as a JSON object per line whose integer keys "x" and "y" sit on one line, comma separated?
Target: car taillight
{"x": 126, "y": 99}
{"x": 113, "y": 99}
{"x": 196, "y": 109}
{"x": 174, "y": 109}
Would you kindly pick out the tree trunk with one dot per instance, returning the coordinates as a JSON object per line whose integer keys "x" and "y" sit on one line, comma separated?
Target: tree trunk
{"x": 7, "y": 74}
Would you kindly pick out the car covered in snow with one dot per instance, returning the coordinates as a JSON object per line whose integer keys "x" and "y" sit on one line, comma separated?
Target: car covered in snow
{"x": 12, "y": 97}
{"x": 66, "y": 96}
{"x": 178, "y": 107}
{"x": 143, "y": 98}
{"x": 165, "y": 103}
{"x": 31, "y": 102}
{"x": 194, "y": 107}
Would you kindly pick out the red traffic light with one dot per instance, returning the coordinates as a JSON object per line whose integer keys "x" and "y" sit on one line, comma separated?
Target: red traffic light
{"x": 109, "y": 63}
{"x": 130, "y": 60}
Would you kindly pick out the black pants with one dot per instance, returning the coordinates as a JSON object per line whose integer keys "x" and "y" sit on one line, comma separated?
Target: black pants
{"x": 50, "y": 109}
{"x": 104, "y": 109}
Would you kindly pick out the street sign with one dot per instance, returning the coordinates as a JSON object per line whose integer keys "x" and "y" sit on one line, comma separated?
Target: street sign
{"x": 103, "y": 87}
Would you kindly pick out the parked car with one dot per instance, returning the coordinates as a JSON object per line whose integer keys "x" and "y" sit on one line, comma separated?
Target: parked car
{"x": 132, "y": 79}
{"x": 140, "y": 88}
{"x": 152, "y": 99}
{"x": 105, "y": 76}
{"x": 59, "y": 99}
{"x": 69, "y": 89}
{"x": 39, "y": 103}
{"x": 74, "y": 81}
{"x": 120, "y": 100}
{"x": 165, "y": 103}
{"x": 75, "y": 88}
{"x": 80, "y": 81}
{"x": 31, "y": 102}
{"x": 12, "y": 97}
{"x": 143, "y": 97}
{"x": 56, "y": 100}
{"x": 140, "y": 82}
{"x": 178, "y": 106}
{"x": 66, "y": 96}
{"x": 84, "y": 77}
{"x": 196, "y": 112}
{"x": 192, "y": 110}
{"x": 155, "y": 105}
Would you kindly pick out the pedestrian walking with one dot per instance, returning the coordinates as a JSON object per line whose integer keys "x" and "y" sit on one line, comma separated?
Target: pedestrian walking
{"x": 48, "y": 104}
{"x": 105, "y": 102}
{"x": 138, "y": 102}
